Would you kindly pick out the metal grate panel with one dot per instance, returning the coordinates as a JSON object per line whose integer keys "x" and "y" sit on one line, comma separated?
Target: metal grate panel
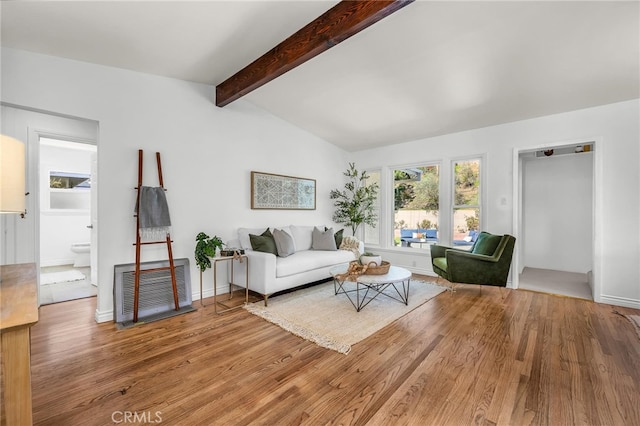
{"x": 156, "y": 293}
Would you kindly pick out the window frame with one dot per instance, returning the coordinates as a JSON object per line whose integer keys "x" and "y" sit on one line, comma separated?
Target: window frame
{"x": 390, "y": 205}
{"x": 452, "y": 193}
{"x": 447, "y": 206}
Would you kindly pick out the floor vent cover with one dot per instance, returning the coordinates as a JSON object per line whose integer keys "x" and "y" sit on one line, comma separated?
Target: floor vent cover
{"x": 156, "y": 293}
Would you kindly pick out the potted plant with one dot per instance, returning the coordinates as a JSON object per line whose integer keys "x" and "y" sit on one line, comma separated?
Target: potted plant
{"x": 205, "y": 248}
{"x": 368, "y": 257}
{"x": 355, "y": 204}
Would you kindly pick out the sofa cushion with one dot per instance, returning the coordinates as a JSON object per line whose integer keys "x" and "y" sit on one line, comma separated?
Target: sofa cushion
{"x": 284, "y": 242}
{"x": 323, "y": 240}
{"x": 302, "y": 236}
{"x": 264, "y": 242}
{"x": 308, "y": 260}
{"x": 440, "y": 262}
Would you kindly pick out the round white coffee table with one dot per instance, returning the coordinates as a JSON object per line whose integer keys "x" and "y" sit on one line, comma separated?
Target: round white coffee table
{"x": 394, "y": 285}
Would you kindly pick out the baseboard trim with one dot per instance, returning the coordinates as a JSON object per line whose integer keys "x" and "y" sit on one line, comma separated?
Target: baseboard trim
{"x": 205, "y": 293}
{"x": 103, "y": 316}
{"x": 620, "y": 301}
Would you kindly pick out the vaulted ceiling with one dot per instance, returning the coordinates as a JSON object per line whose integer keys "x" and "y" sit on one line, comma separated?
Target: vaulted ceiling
{"x": 429, "y": 69}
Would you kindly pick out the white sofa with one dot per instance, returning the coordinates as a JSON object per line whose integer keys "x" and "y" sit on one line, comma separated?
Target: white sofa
{"x": 269, "y": 274}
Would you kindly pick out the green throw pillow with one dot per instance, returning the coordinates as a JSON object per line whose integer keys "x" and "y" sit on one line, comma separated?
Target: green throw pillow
{"x": 337, "y": 236}
{"x": 264, "y": 242}
{"x": 486, "y": 243}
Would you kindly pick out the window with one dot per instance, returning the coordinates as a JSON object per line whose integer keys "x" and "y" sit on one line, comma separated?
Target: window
{"x": 69, "y": 190}
{"x": 67, "y": 180}
{"x": 466, "y": 201}
{"x": 416, "y": 204}
{"x": 65, "y": 175}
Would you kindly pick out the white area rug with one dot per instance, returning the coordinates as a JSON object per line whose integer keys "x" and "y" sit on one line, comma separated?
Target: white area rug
{"x": 61, "y": 277}
{"x": 319, "y": 315}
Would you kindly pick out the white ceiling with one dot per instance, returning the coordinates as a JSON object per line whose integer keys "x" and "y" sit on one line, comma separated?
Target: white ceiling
{"x": 431, "y": 68}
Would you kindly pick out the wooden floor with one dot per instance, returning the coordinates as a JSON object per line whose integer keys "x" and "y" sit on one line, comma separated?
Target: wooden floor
{"x": 477, "y": 356}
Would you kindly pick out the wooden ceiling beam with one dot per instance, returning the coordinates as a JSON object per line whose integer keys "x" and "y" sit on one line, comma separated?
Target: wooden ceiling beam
{"x": 332, "y": 27}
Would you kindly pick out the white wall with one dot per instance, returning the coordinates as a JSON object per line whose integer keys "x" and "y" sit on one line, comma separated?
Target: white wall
{"x": 616, "y": 127}
{"x": 558, "y": 212}
{"x": 207, "y": 154}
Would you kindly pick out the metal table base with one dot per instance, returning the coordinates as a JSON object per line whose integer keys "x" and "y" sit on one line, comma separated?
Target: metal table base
{"x": 368, "y": 287}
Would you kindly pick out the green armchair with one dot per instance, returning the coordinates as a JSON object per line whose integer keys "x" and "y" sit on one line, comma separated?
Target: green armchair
{"x": 487, "y": 263}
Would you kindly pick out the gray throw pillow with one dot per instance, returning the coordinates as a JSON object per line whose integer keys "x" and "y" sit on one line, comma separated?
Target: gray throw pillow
{"x": 284, "y": 243}
{"x": 323, "y": 240}
{"x": 337, "y": 236}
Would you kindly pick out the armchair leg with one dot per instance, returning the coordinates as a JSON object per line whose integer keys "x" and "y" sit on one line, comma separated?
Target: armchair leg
{"x": 449, "y": 287}
{"x": 452, "y": 286}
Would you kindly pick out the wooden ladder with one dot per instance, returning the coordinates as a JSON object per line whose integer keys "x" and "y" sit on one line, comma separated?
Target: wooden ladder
{"x": 139, "y": 244}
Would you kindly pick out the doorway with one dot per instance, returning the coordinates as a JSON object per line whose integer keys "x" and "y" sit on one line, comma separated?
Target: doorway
{"x": 27, "y": 236}
{"x": 555, "y": 217}
{"x": 65, "y": 188}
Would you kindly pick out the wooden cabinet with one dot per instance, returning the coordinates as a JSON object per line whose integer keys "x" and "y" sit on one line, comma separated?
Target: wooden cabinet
{"x": 18, "y": 312}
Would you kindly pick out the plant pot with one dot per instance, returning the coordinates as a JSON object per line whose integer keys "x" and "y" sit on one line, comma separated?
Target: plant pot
{"x": 365, "y": 259}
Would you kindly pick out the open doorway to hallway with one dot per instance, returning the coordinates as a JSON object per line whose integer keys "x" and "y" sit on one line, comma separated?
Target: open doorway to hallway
{"x": 556, "y": 219}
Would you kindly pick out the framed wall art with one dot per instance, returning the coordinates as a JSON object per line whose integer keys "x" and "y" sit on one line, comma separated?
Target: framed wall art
{"x": 269, "y": 191}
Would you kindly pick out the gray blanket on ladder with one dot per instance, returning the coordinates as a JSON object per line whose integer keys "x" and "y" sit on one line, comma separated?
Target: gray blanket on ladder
{"x": 153, "y": 213}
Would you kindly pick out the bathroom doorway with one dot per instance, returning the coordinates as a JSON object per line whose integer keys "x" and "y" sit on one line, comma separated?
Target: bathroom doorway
{"x": 66, "y": 189}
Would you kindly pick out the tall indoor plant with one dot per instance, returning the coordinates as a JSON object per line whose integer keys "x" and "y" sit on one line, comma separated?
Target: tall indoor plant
{"x": 355, "y": 204}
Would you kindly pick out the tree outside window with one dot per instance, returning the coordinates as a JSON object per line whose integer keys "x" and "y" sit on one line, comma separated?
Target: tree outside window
{"x": 466, "y": 198}
{"x": 416, "y": 200}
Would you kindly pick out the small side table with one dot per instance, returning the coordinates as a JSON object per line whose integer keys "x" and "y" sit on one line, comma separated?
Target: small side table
{"x": 243, "y": 259}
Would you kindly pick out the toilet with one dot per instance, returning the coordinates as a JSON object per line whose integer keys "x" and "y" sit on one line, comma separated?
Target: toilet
{"x": 82, "y": 257}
